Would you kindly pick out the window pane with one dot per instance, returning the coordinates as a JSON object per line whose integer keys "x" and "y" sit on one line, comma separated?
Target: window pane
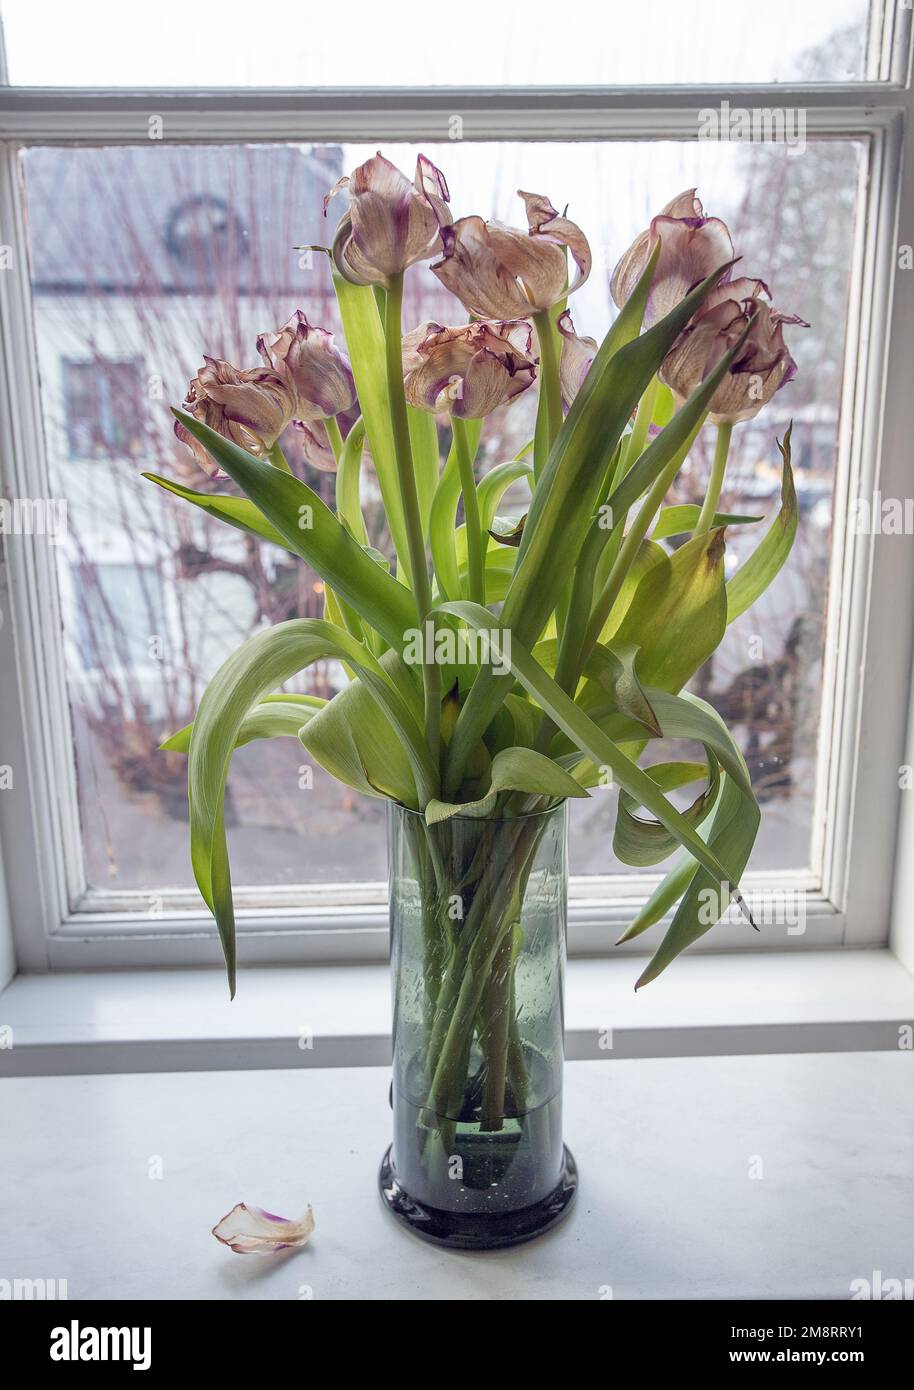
{"x": 170, "y": 252}
{"x": 101, "y": 43}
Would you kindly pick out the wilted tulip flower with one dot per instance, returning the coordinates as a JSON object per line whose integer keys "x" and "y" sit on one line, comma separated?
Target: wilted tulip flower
{"x": 316, "y": 373}
{"x": 470, "y": 370}
{"x": 499, "y": 272}
{"x": 391, "y": 223}
{"x": 250, "y": 407}
{"x": 692, "y": 246}
{"x": 575, "y": 362}
{"x": 315, "y": 446}
{"x": 762, "y": 367}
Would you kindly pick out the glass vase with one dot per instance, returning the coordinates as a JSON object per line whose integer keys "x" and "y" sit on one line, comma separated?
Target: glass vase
{"x": 477, "y": 913}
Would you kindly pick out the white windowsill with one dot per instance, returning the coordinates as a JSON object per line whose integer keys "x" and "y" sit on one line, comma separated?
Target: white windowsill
{"x": 669, "y": 1205}
{"x": 333, "y": 1016}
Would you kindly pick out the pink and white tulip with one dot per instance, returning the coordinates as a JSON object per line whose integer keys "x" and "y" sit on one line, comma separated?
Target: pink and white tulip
{"x": 469, "y": 371}
{"x": 500, "y": 272}
{"x": 692, "y": 246}
{"x": 576, "y": 358}
{"x": 391, "y": 223}
{"x": 763, "y": 366}
{"x": 316, "y": 373}
{"x": 251, "y": 407}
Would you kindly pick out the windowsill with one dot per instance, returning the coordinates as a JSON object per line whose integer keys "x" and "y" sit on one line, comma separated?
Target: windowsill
{"x": 335, "y": 1016}
{"x": 667, "y": 1206}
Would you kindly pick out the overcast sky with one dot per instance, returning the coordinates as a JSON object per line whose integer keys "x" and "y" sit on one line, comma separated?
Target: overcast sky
{"x": 291, "y": 42}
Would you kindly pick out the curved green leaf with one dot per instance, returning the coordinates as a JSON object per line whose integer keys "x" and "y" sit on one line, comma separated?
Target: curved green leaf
{"x": 309, "y": 528}
{"x": 678, "y": 613}
{"x": 495, "y": 484}
{"x": 276, "y": 716}
{"x": 348, "y": 483}
{"x": 443, "y": 517}
{"x": 263, "y": 662}
{"x": 237, "y": 511}
{"x": 664, "y": 897}
{"x": 358, "y": 746}
{"x": 732, "y": 835}
{"x": 648, "y": 556}
{"x": 614, "y": 669}
{"x": 682, "y": 716}
{"x": 513, "y": 770}
{"x": 643, "y": 842}
{"x": 681, "y": 521}
{"x": 423, "y": 435}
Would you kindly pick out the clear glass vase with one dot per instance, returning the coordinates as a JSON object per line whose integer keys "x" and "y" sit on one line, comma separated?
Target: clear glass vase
{"x": 477, "y": 912}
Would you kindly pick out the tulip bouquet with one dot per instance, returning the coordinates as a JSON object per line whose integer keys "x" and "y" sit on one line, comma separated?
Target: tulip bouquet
{"x": 496, "y": 668}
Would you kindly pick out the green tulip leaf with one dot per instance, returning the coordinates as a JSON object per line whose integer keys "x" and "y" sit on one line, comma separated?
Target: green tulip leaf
{"x": 348, "y": 485}
{"x": 731, "y": 836}
{"x": 512, "y": 537}
{"x": 642, "y": 841}
{"x": 756, "y": 573}
{"x": 276, "y": 716}
{"x": 681, "y": 521}
{"x": 259, "y": 665}
{"x": 423, "y": 436}
{"x": 614, "y": 669}
{"x": 592, "y": 741}
{"x": 236, "y": 511}
{"x": 495, "y": 484}
{"x": 357, "y": 747}
{"x": 309, "y": 528}
{"x": 678, "y": 613}
{"x": 443, "y": 516}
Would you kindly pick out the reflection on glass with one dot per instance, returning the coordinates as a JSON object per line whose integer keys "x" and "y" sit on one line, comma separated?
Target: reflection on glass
{"x": 167, "y": 251}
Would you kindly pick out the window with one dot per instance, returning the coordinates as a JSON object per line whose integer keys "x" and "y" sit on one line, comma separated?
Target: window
{"x": 166, "y": 251}
{"x": 101, "y": 408}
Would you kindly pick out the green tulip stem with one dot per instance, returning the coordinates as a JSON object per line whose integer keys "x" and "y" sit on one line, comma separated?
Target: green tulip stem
{"x": 418, "y": 565}
{"x": 632, "y": 544}
{"x": 348, "y": 482}
{"x": 643, "y": 417}
{"x": 476, "y": 550}
{"x": 716, "y": 480}
{"x": 335, "y": 437}
{"x": 278, "y": 458}
{"x": 550, "y": 381}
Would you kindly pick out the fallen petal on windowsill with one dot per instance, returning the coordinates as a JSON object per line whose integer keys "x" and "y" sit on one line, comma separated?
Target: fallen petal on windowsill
{"x": 253, "y": 1231}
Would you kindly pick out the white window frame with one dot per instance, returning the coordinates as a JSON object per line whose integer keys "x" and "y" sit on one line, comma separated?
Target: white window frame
{"x": 58, "y": 924}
